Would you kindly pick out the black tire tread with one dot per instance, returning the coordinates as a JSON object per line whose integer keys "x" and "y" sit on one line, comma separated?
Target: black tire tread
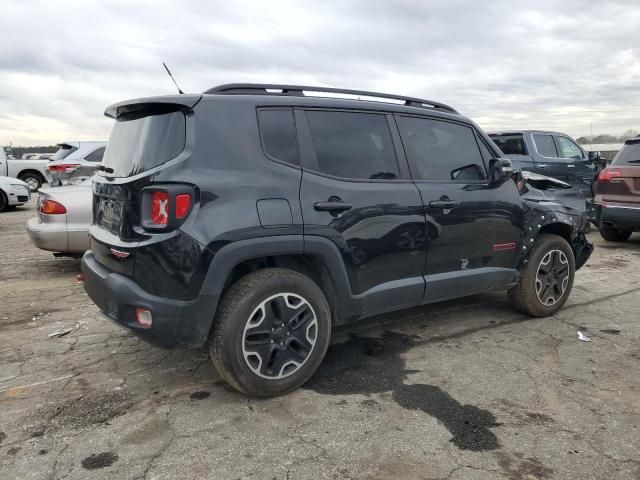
{"x": 611, "y": 234}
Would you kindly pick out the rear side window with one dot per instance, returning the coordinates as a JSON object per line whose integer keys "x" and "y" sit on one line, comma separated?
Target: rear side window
{"x": 353, "y": 145}
{"x": 545, "y": 145}
{"x": 439, "y": 150}
{"x": 144, "y": 140}
{"x": 96, "y": 155}
{"x": 568, "y": 149}
{"x": 278, "y": 132}
{"x": 510, "y": 144}
{"x": 629, "y": 154}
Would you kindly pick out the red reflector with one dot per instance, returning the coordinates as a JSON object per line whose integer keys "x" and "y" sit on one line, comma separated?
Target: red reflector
{"x": 609, "y": 174}
{"x": 160, "y": 208}
{"x": 501, "y": 247}
{"x": 183, "y": 201}
{"x": 143, "y": 317}
{"x": 80, "y": 277}
{"x": 51, "y": 207}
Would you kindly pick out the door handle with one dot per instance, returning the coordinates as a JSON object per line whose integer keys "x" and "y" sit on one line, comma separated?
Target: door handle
{"x": 571, "y": 166}
{"x": 444, "y": 204}
{"x": 542, "y": 165}
{"x": 333, "y": 206}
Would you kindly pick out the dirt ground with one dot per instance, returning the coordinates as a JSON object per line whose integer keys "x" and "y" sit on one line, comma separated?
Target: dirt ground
{"x": 466, "y": 389}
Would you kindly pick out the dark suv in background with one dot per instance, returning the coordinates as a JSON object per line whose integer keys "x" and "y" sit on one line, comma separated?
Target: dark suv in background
{"x": 256, "y": 217}
{"x": 617, "y": 194}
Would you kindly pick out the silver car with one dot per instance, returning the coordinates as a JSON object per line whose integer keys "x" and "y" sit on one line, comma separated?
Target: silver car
{"x": 74, "y": 162}
{"x": 64, "y": 217}
{"x": 13, "y": 192}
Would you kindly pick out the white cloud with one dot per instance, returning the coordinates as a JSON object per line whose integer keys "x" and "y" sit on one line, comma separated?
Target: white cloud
{"x": 543, "y": 64}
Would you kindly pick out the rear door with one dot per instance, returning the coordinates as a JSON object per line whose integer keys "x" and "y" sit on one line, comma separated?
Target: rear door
{"x": 548, "y": 161}
{"x": 475, "y": 228}
{"x": 357, "y": 193}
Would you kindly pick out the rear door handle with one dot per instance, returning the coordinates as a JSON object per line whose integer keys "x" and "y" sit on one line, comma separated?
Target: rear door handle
{"x": 332, "y": 206}
{"x": 444, "y": 204}
{"x": 571, "y": 166}
{"x": 542, "y": 165}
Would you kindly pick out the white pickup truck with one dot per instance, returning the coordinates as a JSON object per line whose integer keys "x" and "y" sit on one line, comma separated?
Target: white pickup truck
{"x": 29, "y": 171}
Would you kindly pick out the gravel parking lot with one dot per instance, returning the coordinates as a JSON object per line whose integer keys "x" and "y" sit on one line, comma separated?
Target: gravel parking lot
{"x": 463, "y": 389}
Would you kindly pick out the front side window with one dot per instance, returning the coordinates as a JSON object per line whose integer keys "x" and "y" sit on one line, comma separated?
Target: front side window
{"x": 353, "y": 145}
{"x": 96, "y": 155}
{"x": 278, "y": 132}
{"x": 545, "y": 145}
{"x": 439, "y": 150}
{"x": 568, "y": 149}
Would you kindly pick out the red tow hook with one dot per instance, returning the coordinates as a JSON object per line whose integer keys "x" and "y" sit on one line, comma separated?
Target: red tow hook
{"x": 80, "y": 278}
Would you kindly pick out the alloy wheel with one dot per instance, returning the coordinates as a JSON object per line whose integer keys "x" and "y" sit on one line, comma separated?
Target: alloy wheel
{"x": 552, "y": 277}
{"x": 279, "y": 336}
{"x": 32, "y": 183}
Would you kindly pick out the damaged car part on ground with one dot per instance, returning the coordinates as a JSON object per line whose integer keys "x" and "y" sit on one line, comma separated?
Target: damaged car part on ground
{"x": 199, "y": 236}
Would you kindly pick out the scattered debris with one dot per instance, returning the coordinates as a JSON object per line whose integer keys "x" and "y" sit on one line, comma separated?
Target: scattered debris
{"x": 583, "y": 337}
{"x": 66, "y": 331}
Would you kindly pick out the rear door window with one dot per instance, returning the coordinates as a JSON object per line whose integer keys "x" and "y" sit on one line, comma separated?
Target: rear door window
{"x": 439, "y": 150}
{"x": 278, "y": 132}
{"x": 568, "y": 149}
{"x": 352, "y": 145}
{"x": 96, "y": 155}
{"x": 144, "y": 140}
{"x": 545, "y": 145}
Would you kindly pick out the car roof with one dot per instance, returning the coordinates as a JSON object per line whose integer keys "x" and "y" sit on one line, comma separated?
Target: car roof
{"x": 520, "y": 132}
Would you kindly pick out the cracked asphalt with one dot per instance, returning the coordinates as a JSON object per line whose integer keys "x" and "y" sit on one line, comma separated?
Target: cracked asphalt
{"x": 466, "y": 389}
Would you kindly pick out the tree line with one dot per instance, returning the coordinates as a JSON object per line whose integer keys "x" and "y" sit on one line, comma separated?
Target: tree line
{"x": 606, "y": 138}
{"x": 18, "y": 151}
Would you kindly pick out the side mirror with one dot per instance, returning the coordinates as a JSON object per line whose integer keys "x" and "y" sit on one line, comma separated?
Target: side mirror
{"x": 594, "y": 156}
{"x": 500, "y": 170}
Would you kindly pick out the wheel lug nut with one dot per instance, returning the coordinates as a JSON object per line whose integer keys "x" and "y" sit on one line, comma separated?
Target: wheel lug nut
{"x": 271, "y": 341}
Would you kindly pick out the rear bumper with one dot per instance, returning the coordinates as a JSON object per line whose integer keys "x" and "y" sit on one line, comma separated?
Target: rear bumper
{"x": 48, "y": 236}
{"x": 175, "y": 322}
{"x": 625, "y": 217}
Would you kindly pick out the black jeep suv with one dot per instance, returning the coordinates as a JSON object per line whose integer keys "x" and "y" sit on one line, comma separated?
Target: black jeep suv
{"x": 256, "y": 217}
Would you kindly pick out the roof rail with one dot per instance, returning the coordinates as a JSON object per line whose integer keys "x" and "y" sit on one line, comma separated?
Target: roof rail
{"x": 298, "y": 91}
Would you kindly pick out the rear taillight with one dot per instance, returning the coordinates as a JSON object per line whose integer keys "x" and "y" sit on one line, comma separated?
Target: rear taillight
{"x": 63, "y": 168}
{"x": 51, "y": 207}
{"x": 160, "y": 208}
{"x": 165, "y": 207}
{"x": 608, "y": 174}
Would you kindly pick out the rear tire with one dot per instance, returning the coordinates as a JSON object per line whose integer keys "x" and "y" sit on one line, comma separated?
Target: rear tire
{"x": 546, "y": 279}
{"x": 4, "y": 203}
{"x": 611, "y": 234}
{"x": 33, "y": 180}
{"x": 271, "y": 332}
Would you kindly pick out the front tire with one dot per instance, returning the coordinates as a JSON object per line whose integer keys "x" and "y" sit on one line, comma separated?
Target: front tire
{"x": 4, "y": 202}
{"x": 271, "y": 332}
{"x": 547, "y": 278}
{"x": 611, "y": 234}
{"x": 33, "y": 180}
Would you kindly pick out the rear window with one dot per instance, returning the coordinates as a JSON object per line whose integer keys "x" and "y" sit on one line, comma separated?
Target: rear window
{"x": 141, "y": 141}
{"x": 629, "y": 154}
{"x": 510, "y": 144}
{"x": 279, "y": 135}
{"x": 63, "y": 152}
{"x": 96, "y": 155}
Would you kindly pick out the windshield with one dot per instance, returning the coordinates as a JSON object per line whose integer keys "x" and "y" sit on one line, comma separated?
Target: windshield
{"x": 63, "y": 152}
{"x": 629, "y": 154}
{"x": 142, "y": 141}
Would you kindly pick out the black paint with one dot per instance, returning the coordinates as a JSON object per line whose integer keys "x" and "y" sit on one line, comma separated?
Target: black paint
{"x": 365, "y": 365}
{"x": 199, "y": 395}
{"x": 100, "y": 460}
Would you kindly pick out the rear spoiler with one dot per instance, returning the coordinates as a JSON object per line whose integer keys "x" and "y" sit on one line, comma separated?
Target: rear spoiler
{"x": 117, "y": 109}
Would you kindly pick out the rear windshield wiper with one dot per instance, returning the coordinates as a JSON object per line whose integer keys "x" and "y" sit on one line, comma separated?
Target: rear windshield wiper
{"x": 102, "y": 168}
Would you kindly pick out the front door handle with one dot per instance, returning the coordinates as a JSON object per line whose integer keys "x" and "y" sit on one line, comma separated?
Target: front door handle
{"x": 444, "y": 204}
{"x": 542, "y": 165}
{"x": 571, "y": 166}
{"x": 333, "y": 206}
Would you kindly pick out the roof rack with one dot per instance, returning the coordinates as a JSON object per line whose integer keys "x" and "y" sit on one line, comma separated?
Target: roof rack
{"x": 298, "y": 91}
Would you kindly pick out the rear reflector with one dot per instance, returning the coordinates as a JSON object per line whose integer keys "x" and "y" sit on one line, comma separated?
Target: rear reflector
{"x": 160, "y": 208}
{"x": 143, "y": 317}
{"x": 183, "y": 201}
{"x": 51, "y": 207}
{"x": 608, "y": 174}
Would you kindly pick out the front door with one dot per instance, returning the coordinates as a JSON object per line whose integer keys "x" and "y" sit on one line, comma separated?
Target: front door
{"x": 474, "y": 228}
{"x": 357, "y": 193}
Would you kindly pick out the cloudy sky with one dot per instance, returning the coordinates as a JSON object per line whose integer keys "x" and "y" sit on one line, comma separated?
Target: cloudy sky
{"x": 536, "y": 64}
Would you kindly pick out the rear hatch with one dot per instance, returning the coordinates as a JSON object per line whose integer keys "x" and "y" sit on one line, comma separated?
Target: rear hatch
{"x": 620, "y": 182}
{"x": 146, "y": 135}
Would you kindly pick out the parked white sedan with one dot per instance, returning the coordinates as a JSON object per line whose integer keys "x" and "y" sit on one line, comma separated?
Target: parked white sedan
{"x": 64, "y": 216}
{"x": 13, "y": 192}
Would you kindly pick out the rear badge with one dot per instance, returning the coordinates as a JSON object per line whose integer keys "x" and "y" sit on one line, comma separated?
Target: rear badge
{"x": 121, "y": 254}
{"x": 500, "y": 247}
